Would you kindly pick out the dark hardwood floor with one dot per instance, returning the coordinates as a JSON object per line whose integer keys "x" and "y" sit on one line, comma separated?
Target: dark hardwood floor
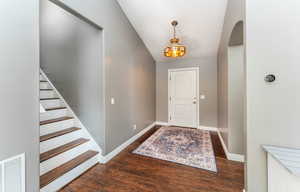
{"x": 217, "y": 145}
{"x": 129, "y": 172}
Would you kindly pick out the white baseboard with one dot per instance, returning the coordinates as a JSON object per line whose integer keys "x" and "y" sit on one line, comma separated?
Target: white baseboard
{"x": 208, "y": 128}
{"x": 116, "y": 151}
{"x": 230, "y": 156}
{"x": 223, "y": 145}
{"x": 200, "y": 127}
{"x": 162, "y": 123}
{"x": 236, "y": 157}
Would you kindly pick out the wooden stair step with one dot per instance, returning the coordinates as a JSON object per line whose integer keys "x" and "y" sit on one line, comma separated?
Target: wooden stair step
{"x": 43, "y": 81}
{"x": 58, "y": 133}
{"x": 46, "y": 89}
{"x": 55, "y": 120}
{"x": 55, "y": 108}
{"x": 61, "y": 149}
{"x": 52, "y": 175}
{"x": 52, "y": 98}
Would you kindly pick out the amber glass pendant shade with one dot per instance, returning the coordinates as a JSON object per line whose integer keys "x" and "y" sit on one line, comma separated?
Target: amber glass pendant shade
{"x": 175, "y": 49}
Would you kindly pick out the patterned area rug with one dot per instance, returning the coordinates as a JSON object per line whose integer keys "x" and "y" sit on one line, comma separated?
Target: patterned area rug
{"x": 192, "y": 147}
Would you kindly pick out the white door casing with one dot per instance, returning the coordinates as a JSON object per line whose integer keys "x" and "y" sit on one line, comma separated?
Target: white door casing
{"x": 183, "y": 96}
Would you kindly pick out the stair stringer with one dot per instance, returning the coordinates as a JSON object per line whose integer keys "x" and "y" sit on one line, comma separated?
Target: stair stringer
{"x": 78, "y": 123}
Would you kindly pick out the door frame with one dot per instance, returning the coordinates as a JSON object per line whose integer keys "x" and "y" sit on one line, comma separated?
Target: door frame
{"x": 197, "y": 92}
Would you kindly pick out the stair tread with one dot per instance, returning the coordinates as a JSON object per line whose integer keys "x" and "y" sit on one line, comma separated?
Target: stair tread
{"x": 61, "y": 149}
{"x": 58, "y": 133}
{"x": 52, "y": 175}
{"x": 55, "y": 108}
{"x": 52, "y": 98}
{"x": 43, "y": 81}
{"x": 55, "y": 120}
{"x": 46, "y": 89}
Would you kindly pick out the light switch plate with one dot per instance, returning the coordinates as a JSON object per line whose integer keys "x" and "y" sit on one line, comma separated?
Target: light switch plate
{"x": 112, "y": 101}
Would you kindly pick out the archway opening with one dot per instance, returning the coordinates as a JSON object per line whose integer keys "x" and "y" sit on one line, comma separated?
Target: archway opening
{"x": 236, "y": 91}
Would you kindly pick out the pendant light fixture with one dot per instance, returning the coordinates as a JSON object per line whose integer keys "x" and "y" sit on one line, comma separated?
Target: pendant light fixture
{"x": 175, "y": 49}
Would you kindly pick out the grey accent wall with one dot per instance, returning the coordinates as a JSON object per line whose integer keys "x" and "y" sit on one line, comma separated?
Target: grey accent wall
{"x": 129, "y": 72}
{"x": 236, "y": 100}
{"x": 272, "y": 47}
{"x": 234, "y": 14}
{"x": 71, "y": 55}
{"x": 207, "y": 87}
{"x": 19, "y": 82}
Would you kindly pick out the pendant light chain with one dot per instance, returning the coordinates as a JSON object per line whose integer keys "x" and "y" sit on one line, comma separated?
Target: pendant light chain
{"x": 174, "y": 27}
{"x": 175, "y": 49}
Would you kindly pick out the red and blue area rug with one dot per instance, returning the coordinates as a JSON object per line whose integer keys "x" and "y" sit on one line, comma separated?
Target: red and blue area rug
{"x": 191, "y": 147}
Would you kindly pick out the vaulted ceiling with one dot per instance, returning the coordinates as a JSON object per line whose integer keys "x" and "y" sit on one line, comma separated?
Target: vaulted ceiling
{"x": 200, "y": 24}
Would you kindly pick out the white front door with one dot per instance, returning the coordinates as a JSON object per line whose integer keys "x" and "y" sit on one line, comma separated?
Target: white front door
{"x": 183, "y": 97}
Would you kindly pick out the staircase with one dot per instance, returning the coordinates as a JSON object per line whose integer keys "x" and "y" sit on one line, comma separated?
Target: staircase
{"x": 66, "y": 148}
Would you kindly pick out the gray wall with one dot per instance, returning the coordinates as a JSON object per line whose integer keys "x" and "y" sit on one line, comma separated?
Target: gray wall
{"x": 234, "y": 14}
{"x": 19, "y": 82}
{"x": 71, "y": 55}
{"x": 272, "y": 46}
{"x": 129, "y": 71}
{"x": 236, "y": 99}
{"x": 207, "y": 86}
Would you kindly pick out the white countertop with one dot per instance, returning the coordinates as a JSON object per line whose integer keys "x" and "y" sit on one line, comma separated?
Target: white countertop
{"x": 287, "y": 157}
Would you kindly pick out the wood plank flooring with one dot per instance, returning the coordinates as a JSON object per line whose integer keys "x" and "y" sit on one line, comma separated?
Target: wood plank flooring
{"x": 217, "y": 145}
{"x": 58, "y": 133}
{"x": 55, "y": 120}
{"x": 129, "y": 172}
{"x": 61, "y": 149}
{"x": 65, "y": 168}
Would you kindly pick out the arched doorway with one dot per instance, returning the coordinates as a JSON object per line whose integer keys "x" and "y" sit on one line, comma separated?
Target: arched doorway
{"x": 236, "y": 90}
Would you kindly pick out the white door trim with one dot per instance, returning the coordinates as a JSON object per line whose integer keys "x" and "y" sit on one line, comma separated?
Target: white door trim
{"x": 197, "y": 91}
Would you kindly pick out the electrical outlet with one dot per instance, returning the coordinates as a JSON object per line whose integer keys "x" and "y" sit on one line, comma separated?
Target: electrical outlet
{"x": 134, "y": 127}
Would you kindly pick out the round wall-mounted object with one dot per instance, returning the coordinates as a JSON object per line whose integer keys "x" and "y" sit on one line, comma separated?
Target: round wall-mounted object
{"x": 270, "y": 78}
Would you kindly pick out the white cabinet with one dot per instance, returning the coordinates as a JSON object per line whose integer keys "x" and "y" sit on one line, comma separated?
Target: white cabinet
{"x": 283, "y": 169}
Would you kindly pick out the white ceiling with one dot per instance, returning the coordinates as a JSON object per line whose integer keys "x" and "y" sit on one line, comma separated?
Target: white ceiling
{"x": 200, "y": 24}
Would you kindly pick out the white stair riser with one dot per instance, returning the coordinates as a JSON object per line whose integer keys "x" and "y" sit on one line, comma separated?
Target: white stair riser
{"x": 71, "y": 175}
{"x": 53, "y": 114}
{"x": 59, "y": 141}
{"x": 54, "y": 127}
{"x": 52, "y": 103}
{"x": 50, "y": 144}
{"x": 63, "y": 158}
{"x": 47, "y": 94}
{"x": 45, "y": 85}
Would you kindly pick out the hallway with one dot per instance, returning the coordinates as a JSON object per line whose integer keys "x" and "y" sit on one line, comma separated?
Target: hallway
{"x": 129, "y": 172}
